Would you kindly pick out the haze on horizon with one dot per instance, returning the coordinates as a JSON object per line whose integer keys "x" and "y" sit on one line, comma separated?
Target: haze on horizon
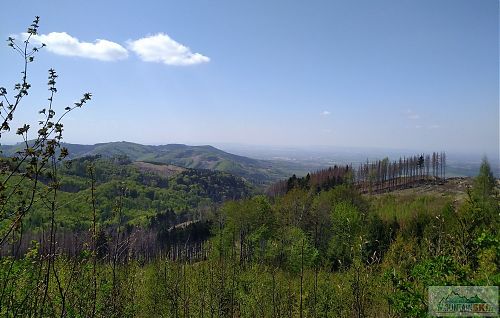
{"x": 386, "y": 74}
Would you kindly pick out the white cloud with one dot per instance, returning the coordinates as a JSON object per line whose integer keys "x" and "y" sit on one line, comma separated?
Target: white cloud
{"x": 64, "y": 44}
{"x": 411, "y": 115}
{"x": 435, "y": 126}
{"x": 325, "y": 113}
{"x": 161, "y": 48}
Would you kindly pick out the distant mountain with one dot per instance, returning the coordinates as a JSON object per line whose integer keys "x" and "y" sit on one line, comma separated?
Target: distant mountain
{"x": 258, "y": 172}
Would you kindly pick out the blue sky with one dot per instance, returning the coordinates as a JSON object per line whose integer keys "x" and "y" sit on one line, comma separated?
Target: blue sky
{"x": 404, "y": 74}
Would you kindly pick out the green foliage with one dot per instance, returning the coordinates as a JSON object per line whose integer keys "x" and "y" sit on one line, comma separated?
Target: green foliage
{"x": 268, "y": 257}
{"x": 484, "y": 183}
{"x": 258, "y": 172}
{"x": 410, "y": 295}
{"x": 346, "y": 228}
{"x": 297, "y": 251}
{"x": 458, "y": 247}
{"x": 146, "y": 194}
{"x": 313, "y": 252}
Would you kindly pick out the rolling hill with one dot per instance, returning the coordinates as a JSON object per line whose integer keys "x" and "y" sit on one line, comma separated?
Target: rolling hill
{"x": 258, "y": 172}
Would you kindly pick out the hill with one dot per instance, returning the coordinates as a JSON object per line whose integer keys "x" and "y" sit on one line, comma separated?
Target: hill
{"x": 258, "y": 172}
{"x": 142, "y": 190}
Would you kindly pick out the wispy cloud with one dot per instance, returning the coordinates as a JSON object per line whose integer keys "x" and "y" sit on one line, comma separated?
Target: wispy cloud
{"x": 64, "y": 44}
{"x": 325, "y": 113}
{"x": 161, "y": 48}
{"x": 411, "y": 114}
{"x": 435, "y": 126}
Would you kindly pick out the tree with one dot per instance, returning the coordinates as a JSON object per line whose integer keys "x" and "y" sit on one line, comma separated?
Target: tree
{"x": 427, "y": 165}
{"x": 420, "y": 164}
{"x": 484, "y": 184}
{"x": 346, "y": 226}
{"x": 443, "y": 164}
{"x": 38, "y": 157}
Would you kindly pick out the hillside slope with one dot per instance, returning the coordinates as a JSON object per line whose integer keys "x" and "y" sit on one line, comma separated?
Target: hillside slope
{"x": 258, "y": 172}
{"x": 141, "y": 192}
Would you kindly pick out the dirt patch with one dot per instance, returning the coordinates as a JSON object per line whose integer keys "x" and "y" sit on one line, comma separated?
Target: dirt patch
{"x": 454, "y": 187}
{"x": 164, "y": 170}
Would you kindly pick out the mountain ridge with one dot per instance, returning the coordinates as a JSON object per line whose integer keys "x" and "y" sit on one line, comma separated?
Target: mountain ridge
{"x": 257, "y": 171}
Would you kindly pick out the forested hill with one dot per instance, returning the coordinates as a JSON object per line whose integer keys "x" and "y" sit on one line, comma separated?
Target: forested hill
{"x": 141, "y": 193}
{"x": 258, "y": 172}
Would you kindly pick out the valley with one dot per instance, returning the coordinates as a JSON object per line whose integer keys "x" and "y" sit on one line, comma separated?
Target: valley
{"x": 290, "y": 159}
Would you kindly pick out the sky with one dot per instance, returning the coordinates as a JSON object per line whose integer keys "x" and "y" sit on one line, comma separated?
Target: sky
{"x": 399, "y": 74}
